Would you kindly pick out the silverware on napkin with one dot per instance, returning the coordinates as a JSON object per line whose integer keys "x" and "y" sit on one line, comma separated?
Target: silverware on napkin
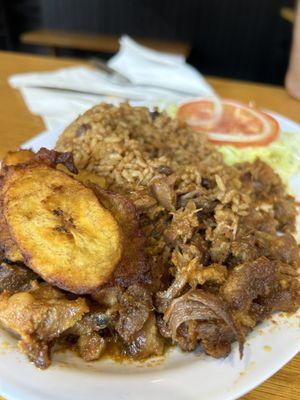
{"x": 122, "y": 79}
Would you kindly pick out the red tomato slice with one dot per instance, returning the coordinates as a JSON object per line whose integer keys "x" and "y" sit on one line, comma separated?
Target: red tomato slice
{"x": 230, "y": 122}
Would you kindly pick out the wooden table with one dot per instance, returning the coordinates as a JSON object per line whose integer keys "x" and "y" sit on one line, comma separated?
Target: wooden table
{"x": 18, "y": 125}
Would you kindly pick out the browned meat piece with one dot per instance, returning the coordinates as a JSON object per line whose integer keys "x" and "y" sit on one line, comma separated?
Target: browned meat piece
{"x": 183, "y": 224}
{"x": 163, "y": 190}
{"x": 187, "y": 335}
{"x": 249, "y": 281}
{"x": 214, "y": 273}
{"x": 15, "y": 278}
{"x": 282, "y": 248}
{"x": 134, "y": 309}
{"x": 93, "y": 321}
{"x": 38, "y": 317}
{"x": 146, "y": 342}
{"x": 243, "y": 249}
{"x": 257, "y": 236}
{"x": 260, "y": 220}
{"x": 108, "y": 296}
{"x": 198, "y": 305}
{"x": 248, "y": 319}
{"x": 142, "y": 199}
{"x": 189, "y": 270}
{"x": 127, "y": 296}
{"x": 163, "y": 327}
{"x": 134, "y": 266}
{"x": 223, "y": 234}
{"x": 203, "y": 247}
{"x": 264, "y": 182}
{"x": 109, "y": 299}
{"x": 284, "y": 300}
{"x": 130, "y": 314}
{"x": 52, "y": 158}
{"x": 280, "y": 300}
{"x": 37, "y": 352}
{"x": 285, "y": 212}
{"x": 287, "y": 295}
{"x": 43, "y": 156}
{"x": 215, "y": 338}
{"x": 90, "y": 344}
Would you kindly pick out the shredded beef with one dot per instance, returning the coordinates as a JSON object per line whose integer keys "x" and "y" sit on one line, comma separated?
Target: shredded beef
{"x": 15, "y": 278}
{"x": 185, "y": 315}
{"x": 39, "y": 317}
{"x": 134, "y": 308}
{"x": 146, "y": 342}
{"x": 163, "y": 191}
{"x": 250, "y": 281}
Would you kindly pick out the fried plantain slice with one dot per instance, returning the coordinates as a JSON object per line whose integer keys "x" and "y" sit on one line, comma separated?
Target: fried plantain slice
{"x": 85, "y": 176}
{"x": 60, "y": 227}
{"x": 18, "y": 157}
{"x": 8, "y": 247}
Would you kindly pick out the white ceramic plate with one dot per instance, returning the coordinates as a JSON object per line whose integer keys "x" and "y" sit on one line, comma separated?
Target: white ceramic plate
{"x": 180, "y": 376}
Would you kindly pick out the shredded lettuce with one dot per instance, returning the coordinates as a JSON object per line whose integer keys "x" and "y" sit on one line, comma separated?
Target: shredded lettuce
{"x": 283, "y": 155}
{"x": 171, "y": 110}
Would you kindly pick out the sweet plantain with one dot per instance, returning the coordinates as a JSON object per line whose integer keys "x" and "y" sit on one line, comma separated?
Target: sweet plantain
{"x": 18, "y": 157}
{"x": 60, "y": 227}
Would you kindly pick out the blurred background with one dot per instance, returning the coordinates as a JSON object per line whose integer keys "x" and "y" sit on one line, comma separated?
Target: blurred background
{"x": 241, "y": 39}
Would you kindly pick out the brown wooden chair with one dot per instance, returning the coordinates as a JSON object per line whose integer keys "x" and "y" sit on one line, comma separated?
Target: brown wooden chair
{"x": 54, "y": 40}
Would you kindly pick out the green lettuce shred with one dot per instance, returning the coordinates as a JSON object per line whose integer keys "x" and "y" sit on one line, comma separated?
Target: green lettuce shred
{"x": 283, "y": 155}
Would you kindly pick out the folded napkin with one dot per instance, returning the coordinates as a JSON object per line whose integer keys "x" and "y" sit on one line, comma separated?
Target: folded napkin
{"x": 144, "y": 66}
{"x": 154, "y": 78}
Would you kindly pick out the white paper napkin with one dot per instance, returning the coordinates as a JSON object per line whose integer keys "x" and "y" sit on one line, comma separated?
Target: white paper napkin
{"x": 155, "y": 78}
{"x": 146, "y": 66}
